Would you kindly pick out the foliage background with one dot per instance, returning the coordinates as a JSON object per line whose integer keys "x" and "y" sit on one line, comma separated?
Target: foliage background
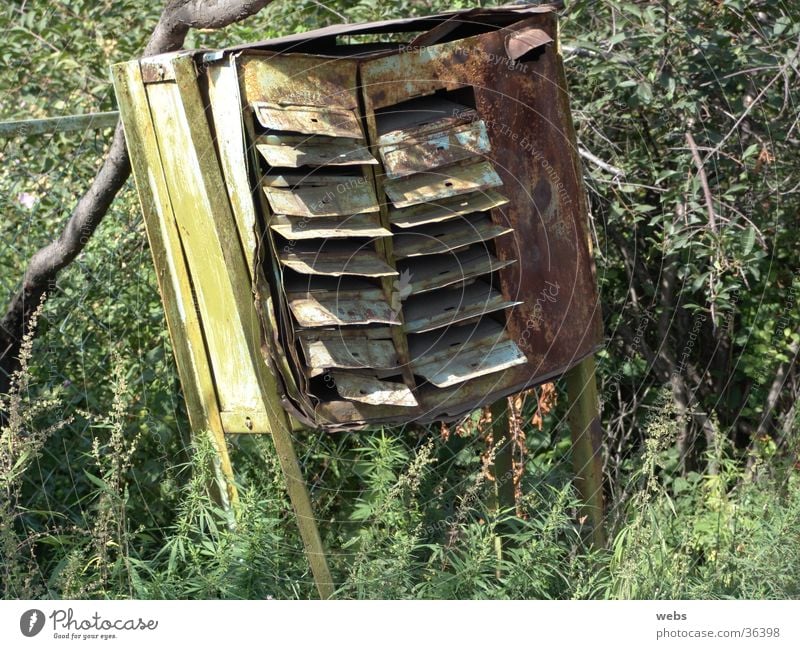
{"x": 102, "y": 491}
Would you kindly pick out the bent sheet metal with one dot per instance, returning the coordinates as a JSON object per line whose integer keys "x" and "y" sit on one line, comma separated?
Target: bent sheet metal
{"x": 405, "y": 210}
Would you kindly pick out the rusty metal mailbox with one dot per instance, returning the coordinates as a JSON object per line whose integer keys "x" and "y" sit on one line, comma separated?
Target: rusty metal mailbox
{"x": 365, "y": 224}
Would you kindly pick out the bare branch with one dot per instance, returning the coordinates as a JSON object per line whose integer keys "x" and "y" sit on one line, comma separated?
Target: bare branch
{"x": 605, "y": 166}
{"x": 698, "y": 162}
{"x": 169, "y": 34}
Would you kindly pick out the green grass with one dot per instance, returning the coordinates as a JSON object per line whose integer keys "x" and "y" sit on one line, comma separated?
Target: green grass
{"x": 400, "y": 527}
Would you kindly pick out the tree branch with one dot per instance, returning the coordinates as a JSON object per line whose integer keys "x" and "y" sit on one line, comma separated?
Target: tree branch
{"x": 169, "y": 34}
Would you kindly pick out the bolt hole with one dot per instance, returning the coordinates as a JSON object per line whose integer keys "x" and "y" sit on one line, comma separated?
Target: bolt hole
{"x": 449, "y": 308}
{"x": 448, "y": 184}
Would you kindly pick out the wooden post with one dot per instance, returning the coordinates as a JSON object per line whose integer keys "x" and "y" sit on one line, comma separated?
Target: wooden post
{"x": 173, "y": 276}
{"x": 301, "y": 503}
{"x": 587, "y": 459}
{"x": 504, "y": 456}
{"x": 503, "y": 497}
{"x": 189, "y": 226}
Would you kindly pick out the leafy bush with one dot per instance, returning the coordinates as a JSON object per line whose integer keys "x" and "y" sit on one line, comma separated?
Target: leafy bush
{"x": 103, "y": 495}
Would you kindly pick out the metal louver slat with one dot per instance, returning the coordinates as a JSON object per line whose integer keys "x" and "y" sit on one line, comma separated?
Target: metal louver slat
{"x": 312, "y": 120}
{"x": 331, "y": 348}
{"x": 334, "y": 258}
{"x": 326, "y": 301}
{"x": 325, "y": 200}
{"x": 442, "y": 183}
{"x": 463, "y": 353}
{"x": 445, "y": 209}
{"x": 436, "y": 150}
{"x": 315, "y": 178}
{"x": 297, "y": 228}
{"x": 427, "y": 133}
{"x": 367, "y": 389}
{"x": 431, "y": 273}
{"x": 418, "y": 117}
{"x": 449, "y": 306}
{"x": 444, "y": 237}
{"x": 330, "y": 309}
{"x": 313, "y": 151}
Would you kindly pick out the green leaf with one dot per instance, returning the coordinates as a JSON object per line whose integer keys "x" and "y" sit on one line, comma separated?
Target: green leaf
{"x": 749, "y": 240}
{"x": 645, "y": 92}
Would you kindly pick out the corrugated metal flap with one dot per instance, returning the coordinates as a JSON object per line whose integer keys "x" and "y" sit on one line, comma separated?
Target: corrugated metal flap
{"x": 445, "y": 209}
{"x": 297, "y": 228}
{"x": 463, "y": 353}
{"x": 431, "y": 273}
{"x": 445, "y": 237}
{"x": 334, "y": 258}
{"x": 366, "y": 389}
{"x": 311, "y": 120}
{"x": 449, "y": 306}
{"x": 442, "y": 183}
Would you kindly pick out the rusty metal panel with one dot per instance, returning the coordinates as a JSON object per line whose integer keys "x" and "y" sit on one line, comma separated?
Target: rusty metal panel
{"x": 430, "y": 273}
{"x": 296, "y": 228}
{"x": 367, "y": 389}
{"x": 420, "y": 220}
{"x": 323, "y": 200}
{"x": 334, "y": 259}
{"x": 311, "y": 120}
{"x": 448, "y": 208}
{"x": 463, "y": 353}
{"x": 314, "y": 151}
{"x": 442, "y": 183}
{"x": 446, "y": 237}
{"x": 450, "y": 306}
